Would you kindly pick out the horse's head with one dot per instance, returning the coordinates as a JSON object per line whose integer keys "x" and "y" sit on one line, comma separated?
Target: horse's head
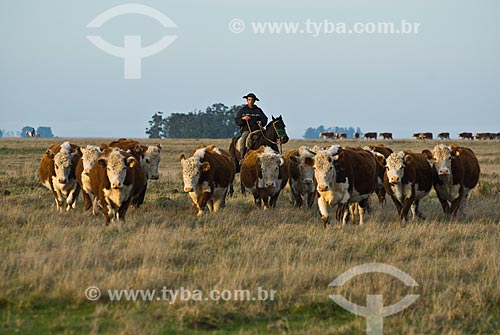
{"x": 279, "y": 127}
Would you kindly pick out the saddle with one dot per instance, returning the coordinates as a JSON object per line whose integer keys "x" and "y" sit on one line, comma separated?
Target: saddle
{"x": 250, "y": 139}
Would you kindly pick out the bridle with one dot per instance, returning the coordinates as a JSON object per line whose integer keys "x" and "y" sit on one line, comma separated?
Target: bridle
{"x": 279, "y": 132}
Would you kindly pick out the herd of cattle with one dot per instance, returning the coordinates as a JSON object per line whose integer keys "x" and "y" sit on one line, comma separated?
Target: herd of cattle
{"x": 113, "y": 177}
{"x": 418, "y": 136}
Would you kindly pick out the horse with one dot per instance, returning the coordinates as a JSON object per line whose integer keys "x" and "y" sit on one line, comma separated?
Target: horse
{"x": 273, "y": 134}
{"x": 32, "y": 133}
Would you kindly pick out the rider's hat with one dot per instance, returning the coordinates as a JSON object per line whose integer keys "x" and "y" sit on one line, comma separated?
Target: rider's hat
{"x": 251, "y": 95}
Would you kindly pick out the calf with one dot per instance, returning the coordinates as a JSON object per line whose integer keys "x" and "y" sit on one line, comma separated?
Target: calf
{"x": 370, "y": 136}
{"x": 408, "y": 178}
{"x": 300, "y": 170}
{"x": 207, "y": 174}
{"x": 456, "y": 173}
{"x": 444, "y": 136}
{"x": 85, "y": 164}
{"x": 386, "y": 136}
{"x": 115, "y": 180}
{"x": 265, "y": 173}
{"x": 344, "y": 176}
{"x": 57, "y": 173}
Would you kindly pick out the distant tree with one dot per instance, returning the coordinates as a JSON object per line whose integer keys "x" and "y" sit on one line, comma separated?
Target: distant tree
{"x": 1, "y": 132}
{"x": 156, "y": 126}
{"x": 45, "y": 132}
{"x": 25, "y": 130}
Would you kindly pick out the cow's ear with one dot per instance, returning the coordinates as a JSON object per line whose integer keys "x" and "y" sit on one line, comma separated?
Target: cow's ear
{"x": 49, "y": 153}
{"x": 458, "y": 152}
{"x": 408, "y": 159}
{"x": 309, "y": 161}
{"x": 131, "y": 161}
{"x": 158, "y": 146}
{"x": 295, "y": 159}
{"x": 205, "y": 166}
{"x": 182, "y": 157}
{"x": 341, "y": 156}
{"x": 380, "y": 159}
{"x": 104, "y": 146}
{"x": 102, "y": 162}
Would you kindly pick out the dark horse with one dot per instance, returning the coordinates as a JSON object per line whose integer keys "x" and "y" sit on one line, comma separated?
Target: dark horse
{"x": 270, "y": 136}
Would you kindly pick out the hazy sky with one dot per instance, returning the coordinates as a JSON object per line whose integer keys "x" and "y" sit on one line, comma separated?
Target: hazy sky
{"x": 445, "y": 78}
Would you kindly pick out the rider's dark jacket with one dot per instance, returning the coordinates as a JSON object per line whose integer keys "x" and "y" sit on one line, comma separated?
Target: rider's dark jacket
{"x": 255, "y": 113}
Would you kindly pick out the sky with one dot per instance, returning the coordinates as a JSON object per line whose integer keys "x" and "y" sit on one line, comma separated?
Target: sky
{"x": 446, "y": 77}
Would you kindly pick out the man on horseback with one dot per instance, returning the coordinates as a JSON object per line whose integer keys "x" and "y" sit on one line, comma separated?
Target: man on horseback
{"x": 249, "y": 118}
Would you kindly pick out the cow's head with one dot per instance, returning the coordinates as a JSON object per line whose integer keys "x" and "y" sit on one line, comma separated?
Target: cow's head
{"x": 395, "y": 166}
{"x": 117, "y": 164}
{"x": 269, "y": 163}
{"x": 151, "y": 161}
{"x": 305, "y": 162}
{"x": 90, "y": 155}
{"x": 442, "y": 156}
{"x": 192, "y": 168}
{"x": 324, "y": 168}
{"x": 63, "y": 161}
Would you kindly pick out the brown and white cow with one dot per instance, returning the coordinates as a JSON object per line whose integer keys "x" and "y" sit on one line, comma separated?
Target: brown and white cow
{"x": 456, "y": 173}
{"x": 57, "y": 173}
{"x": 90, "y": 154}
{"x": 370, "y": 136}
{"x": 344, "y": 176}
{"x": 116, "y": 179}
{"x": 466, "y": 136}
{"x": 386, "y": 136}
{"x": 444, "y": 136}
{"x": 408, "y": 178}
{"x": 300, "y": 164}
{"x": 265, "y": 174}
{"x": 148, "y": 156}
{"x": 380, "y": 170}
{"x": 207, "y": 174}
{"x": 327, "y": 135}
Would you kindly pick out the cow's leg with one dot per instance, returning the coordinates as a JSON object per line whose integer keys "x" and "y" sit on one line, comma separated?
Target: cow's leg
{"x": 310, "y": 196}
{"x": 243, "y": 190}
{"x": 274, "y": 200}
{"x": 123, "y": 210}
{"x": 257, "y": 201}
{"x": 72, "y": 196}
{"x": 87, "y": 201}
{"x": 59, "y": 199}
{"x": 139, "y": 200}
{"x": 415, "y": 210}
{"x": 265, "y": 200}
{"x": 444, "y": 204}
{"x": 361, "y": 211}
{"x": 407, "y": 204}
{"x": 323, "y": 210}
{"x": 95, "y": 206}
{"x": 455, "y": 204}
{"x": 202, "y": 202}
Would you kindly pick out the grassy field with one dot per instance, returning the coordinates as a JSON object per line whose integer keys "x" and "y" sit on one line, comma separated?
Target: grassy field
{"x": 49, "y": 259}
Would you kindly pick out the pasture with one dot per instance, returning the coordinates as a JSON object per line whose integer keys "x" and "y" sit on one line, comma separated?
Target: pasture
{"x": 48, "y": 259}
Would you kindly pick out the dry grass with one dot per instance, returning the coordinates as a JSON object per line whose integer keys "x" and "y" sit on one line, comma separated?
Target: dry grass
{"x": 48, "y": 259}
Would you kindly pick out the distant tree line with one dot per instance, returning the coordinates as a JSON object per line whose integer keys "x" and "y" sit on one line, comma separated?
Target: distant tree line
{"x": 216, "y": 121}
{"x": 45, "y": 132}
{"x": 313, "y": 133}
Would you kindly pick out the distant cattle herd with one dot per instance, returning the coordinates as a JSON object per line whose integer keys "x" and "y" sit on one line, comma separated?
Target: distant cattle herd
{"x": 418, "y": 136}
{"x": 114, "y": 176}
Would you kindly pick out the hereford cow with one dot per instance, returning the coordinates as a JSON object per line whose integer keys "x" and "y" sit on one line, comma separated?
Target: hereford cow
{"x": 57, "y": 173}
{"x": 342, "y": 136}
{"x": 381, "y": 149}
{"x": 356, "y": 136}
{"x": 370, "y": 136}
{"x": 423, "y": 136}
{"x": 207, "y": 174}
{"x": 265, "y": 173}
{"x": 408, "y": 178}
{"x": 343, "y": 176}
{"x": 466, "y": 136}
{"x": 301, "y": 173}
{"x": 148, "y": 156}
{"x": 456, "y": 173}
{"x": 83, "y": 168}
{"x": 444, "y": 136}
{"x": 116, "y": 179}
{"x": 386, "y": 136}
{"x": 380, "y": 170}
{"x": 327, "y": 135}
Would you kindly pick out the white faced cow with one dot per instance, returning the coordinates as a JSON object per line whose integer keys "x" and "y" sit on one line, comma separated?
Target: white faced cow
{"x": 83, "y": 168}
{"x": 207, "y": 174}
{"x": 457, "y": 172}
{"x": 265, "y": 174}
{"x": 301, "y": 172}
{"x": 57, "y": 173}
{"x": 344, "y": 176}
{"x": 408, "y": 178}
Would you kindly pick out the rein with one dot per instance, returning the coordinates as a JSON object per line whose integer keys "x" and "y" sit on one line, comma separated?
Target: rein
{"x": 278, "y": 132}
